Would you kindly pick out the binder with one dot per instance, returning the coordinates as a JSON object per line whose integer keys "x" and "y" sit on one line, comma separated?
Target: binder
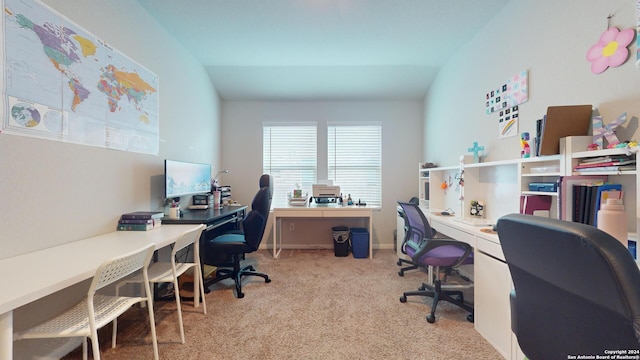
{"x": 562, "y": 121}
{"x": 605, "y": 191}
{"x": 566, "y": 194}
{"x": 539, "y": 205}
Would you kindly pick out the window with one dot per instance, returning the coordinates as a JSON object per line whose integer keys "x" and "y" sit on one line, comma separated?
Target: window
{"x": 289, "y": 154}
{"x": 355, "y": 161}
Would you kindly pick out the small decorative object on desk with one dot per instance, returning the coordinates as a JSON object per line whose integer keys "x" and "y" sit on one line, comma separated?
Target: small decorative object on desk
{"x": 477, "y": 209}
{"x": 524, "y": 142}
{"x": 475, "y": 149}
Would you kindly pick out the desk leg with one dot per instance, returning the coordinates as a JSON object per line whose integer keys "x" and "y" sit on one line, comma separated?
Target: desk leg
{"x": 370, "y": 236}
{"x": 276, "y": 239}
{"x": 6, "y": 336}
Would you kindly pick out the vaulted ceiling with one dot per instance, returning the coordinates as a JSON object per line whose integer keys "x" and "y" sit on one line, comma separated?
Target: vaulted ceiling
{"x": 322, "y": 49}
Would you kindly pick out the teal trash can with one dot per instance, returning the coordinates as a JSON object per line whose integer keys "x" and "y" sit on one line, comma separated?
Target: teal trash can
{"x": 360, "y": 242}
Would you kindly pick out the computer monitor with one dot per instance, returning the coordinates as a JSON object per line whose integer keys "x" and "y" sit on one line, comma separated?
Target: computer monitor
{"x": 186, "y": 178}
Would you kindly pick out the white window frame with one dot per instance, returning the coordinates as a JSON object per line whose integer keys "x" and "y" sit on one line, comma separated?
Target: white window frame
{"x": 354, "y": 160}
{"x": 299, "y": 167}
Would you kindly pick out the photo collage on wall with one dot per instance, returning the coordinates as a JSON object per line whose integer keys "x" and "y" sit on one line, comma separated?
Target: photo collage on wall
{"x": 505, "y": 100}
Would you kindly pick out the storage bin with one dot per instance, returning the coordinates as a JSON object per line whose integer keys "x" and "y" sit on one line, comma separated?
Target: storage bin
{"x": 360, "y": 242}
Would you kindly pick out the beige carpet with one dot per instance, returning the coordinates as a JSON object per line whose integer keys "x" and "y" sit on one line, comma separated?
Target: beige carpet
{"x": 317, "y": 306}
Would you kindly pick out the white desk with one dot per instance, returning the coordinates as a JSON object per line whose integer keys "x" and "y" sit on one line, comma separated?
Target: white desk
{"x": 319, "y": 211}
{"x": 492, "y": 282}
{"x": 34, "y": 275}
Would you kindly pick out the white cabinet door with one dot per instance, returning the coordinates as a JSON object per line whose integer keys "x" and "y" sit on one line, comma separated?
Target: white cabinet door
{"x": 491, "y": 301}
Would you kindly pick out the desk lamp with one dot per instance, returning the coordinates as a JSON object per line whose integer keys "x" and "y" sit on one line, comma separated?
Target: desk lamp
{"x": 214, "y": 182}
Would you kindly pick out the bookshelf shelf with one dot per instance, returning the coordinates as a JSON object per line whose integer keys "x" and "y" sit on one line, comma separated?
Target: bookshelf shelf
{"x": 539, "y": 193}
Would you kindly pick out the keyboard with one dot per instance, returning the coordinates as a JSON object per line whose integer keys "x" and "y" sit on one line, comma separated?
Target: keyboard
{"x": 474, "y": 222}
{"x": 198, "y": 207}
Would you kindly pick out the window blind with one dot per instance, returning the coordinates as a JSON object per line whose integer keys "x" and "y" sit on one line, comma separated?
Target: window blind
{"x": 290, "y": 156}
{"x": 355, "y": 161}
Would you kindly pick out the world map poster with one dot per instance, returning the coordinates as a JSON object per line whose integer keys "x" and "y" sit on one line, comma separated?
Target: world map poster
{"x": 62, "y": 83}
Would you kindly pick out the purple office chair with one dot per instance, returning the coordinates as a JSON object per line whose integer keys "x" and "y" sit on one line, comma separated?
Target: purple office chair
{"x": 401, "y": 261}
{"x": 440, "y": 253}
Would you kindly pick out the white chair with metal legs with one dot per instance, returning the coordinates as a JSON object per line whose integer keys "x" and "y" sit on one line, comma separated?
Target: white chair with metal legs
{"x": 96, "y": 310}
{"x": 168, "y": 272}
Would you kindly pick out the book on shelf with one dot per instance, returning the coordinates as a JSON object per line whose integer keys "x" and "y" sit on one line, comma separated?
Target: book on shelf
{"x": 567, "y": 198}
{"x": 538, "y": 205}
{"x": 629, "y": 167}
{"x": 142, "y": 215}
{"x": 605, "y": 159}
{"x": 611, "y": 162}
{"x": 135, "y": 227}
{"x": 604, "y": 192}
{"x": 589, "y": 197}
{"x": 136, "y": 221}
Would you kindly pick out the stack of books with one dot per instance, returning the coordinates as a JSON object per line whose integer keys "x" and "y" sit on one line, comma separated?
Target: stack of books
{"x": 140, "y": 221}
{"x": 299, "y": 201}
{"x": 607, "y": 163}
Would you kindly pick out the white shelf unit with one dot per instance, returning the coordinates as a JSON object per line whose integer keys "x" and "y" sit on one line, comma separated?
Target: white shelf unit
{"x": 439, "y": 199}
{"x": 423, "y": 186}
{"x": 544, "y": 169}
{"x": 500, "y": 184}
{"x": 628, "y": 180}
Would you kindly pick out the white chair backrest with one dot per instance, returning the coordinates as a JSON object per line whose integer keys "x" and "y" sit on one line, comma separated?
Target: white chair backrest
{"x": 115, "y": 269}
{"x": 187, "y": 238}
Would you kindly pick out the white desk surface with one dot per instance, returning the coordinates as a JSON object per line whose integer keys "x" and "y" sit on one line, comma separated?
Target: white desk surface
{"x": 35, "y": 275}
{"x": 480, "y": 237}
{"x": 326, "y": 211}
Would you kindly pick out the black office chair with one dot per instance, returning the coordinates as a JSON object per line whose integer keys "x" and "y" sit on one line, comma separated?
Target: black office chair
{"x": 440, "y": 253}
{"x": 238, "y": 244}
{"x": 412, "y": 266}
{"x": 578, "y": 288}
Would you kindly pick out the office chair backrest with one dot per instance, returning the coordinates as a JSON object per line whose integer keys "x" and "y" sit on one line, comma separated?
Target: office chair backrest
{"x": 262, "y": 204}
{"x": 266, "y": 180}
{"x": 417, "y": 228}
{"x": 262, "y": 200}
{"x": 577, "y": 289}
{"x": 254, "y": 225}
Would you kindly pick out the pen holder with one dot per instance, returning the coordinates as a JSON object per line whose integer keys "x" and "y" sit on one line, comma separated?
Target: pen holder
{"x": 174, "y": 213}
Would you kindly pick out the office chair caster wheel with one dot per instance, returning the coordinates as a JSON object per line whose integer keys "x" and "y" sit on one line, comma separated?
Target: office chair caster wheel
{"x": 403, "y": 299}
{"x": 431, "y": 318}
{"x": 401, "y": 273}
{"x": 267, "y": 280}
{"x": 470, "y": 318}
{"x": 240, "y": 295}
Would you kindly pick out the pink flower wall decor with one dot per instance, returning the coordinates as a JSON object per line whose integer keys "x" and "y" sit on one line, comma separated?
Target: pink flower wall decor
{"x": 610, "y": 50}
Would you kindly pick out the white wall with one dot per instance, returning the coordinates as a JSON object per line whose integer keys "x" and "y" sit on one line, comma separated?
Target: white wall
{"x": 401, "y": 150}
{"x": 550, "y": 39}
{"x": 55, "y": 192}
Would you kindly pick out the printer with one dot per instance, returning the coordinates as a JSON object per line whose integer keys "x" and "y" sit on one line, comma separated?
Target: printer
{"x": 326, "y": 194}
